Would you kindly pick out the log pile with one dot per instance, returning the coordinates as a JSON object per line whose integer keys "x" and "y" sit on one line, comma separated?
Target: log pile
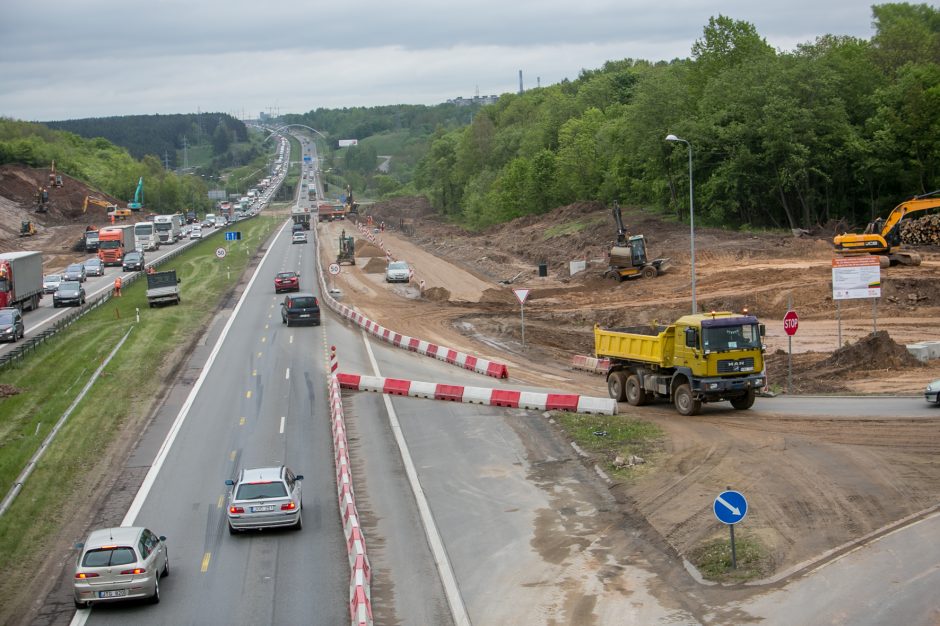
{"x": 922, "y": 231}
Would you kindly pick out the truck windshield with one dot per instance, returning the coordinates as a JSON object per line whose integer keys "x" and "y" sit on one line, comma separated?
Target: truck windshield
{"x": 731, "y": 338}
{"x": 163, "y": 226}
{"x": 110, "y": 244}
{"x": 4, "y": 285}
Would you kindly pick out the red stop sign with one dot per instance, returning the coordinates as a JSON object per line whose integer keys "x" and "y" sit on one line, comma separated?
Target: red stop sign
{"x": 791, "y": 321}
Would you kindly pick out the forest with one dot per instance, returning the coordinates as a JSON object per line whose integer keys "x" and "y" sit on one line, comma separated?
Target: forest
{"x": 839, "y": 129}
{"x": 102, "y": 165}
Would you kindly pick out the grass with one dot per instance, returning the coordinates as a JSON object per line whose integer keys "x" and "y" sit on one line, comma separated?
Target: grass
{"x": 570, "y": 228}
{"x": 610, "y": 436}
{"x": 713, "y": 559}
{"x": 53, "y": 376}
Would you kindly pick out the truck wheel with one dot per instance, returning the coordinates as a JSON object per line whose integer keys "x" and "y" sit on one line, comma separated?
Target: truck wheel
{"x": 744, "y": 402}
{"x": 649, "y": 271}
{"x": 634, "y": 391}
{"x": 685, "y": 402}
{"x": 615, "y": 386}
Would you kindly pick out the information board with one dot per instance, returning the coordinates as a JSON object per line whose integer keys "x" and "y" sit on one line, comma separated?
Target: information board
{"x": 856, "y": 277}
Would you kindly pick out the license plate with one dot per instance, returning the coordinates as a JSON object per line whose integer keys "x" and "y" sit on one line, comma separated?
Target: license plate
{"x": 304, "y": 315}
{"x": 261, "y": 509}
{"x": 117, "y": 593}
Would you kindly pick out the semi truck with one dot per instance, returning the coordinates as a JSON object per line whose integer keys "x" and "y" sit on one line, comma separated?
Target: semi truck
{"x": 169, "y": 228}
{"x": 90, "y": 239}
{"x": 145, "y": 236}
{"x": 20, "y": 279}
{"x": 700, "y": 358}
{"x": 300, "y": 215}
{"x": 114, "y": 242}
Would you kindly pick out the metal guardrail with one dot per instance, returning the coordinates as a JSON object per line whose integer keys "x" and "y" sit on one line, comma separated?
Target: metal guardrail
{"x": 29, "y": 346}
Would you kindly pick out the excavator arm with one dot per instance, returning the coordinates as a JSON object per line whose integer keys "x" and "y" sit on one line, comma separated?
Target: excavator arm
{"x": 883, "y": 235}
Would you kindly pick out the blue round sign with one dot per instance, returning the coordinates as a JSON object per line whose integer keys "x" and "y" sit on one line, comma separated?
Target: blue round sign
{"x": 730, "y": 507}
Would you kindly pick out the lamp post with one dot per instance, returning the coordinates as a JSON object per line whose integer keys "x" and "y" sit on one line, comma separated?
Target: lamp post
{"x": 673, "y": 138}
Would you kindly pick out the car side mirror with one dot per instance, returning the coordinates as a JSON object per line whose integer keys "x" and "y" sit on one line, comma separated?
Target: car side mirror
{"x": 162, "y": 537}
{"x": 79, "y": 545}
{"x": 230, "y": 483}
{"x": 299, "y": 477}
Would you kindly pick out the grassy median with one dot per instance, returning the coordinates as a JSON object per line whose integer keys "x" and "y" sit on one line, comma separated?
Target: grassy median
{"x": 613, "y": 439}
{"x": 48, "y": 380}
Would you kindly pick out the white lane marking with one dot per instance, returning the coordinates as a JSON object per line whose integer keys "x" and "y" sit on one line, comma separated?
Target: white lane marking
{"x": 457, "y": 608}
{"x": 291, "y": 339}
{"x": 287, "y": 374}
{"x": 282, "y": 424}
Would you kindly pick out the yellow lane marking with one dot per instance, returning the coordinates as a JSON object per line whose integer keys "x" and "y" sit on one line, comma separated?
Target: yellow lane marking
{"x": 205, "y": 562}
{"x": 232, "y": 456}
{"x": 248, "y": 394}
{"x": 263, "y": 339}
{"x": 254, "y": 372}
{"x": 241, "y": 422}
{"x": 221, "y": 500}
{"x": 259, "y": 355}
{"x": 267, "y": 326}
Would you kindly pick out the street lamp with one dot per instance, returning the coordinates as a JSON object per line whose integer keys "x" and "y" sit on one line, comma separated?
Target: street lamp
{"x": 673, "y": 138}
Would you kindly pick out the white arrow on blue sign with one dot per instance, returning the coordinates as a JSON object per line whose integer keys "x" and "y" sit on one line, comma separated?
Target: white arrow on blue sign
{"x": 730, "y": 507}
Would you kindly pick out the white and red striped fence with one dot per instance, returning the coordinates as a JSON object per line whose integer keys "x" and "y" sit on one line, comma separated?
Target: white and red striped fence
{"x": 590, "y": 364}
{"x": 360, "y": 578}
{"x": 480, "y": 395}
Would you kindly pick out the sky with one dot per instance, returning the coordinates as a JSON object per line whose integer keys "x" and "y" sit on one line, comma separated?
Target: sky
{"x": 70, "y": 59}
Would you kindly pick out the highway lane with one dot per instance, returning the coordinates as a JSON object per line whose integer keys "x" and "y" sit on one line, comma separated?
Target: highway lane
{"x": 235, "y": 422}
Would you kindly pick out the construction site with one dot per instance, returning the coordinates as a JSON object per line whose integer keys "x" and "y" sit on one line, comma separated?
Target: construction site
{"x": 843, "y": 474}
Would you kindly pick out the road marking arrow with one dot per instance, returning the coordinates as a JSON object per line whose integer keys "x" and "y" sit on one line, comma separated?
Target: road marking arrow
{"x": 733, "y": 509}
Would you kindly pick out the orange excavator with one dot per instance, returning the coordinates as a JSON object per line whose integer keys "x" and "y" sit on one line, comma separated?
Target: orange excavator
{"x": 113, "y": 210}
{"x": 882, "y": 237}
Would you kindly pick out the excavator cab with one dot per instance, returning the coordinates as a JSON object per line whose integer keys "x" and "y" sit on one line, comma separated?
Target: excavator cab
{"x": 27, "y": 229}
{"x": 628, "y": 256}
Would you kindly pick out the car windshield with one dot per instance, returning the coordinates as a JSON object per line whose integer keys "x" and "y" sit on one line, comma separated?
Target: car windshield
{"x": 74, "y": 268}
{"x": 283, "y": 275}
{"x": 53, "y": 278}
{"x": 6, "y": 317}
{"x": 132, "y": 256}
{"x": 109, "y": 556}
{"x": 256, "y": 491}
{"x": 397, "y": 265}
{"x": 303, "y": 303}
{"x": 67, "y": 285}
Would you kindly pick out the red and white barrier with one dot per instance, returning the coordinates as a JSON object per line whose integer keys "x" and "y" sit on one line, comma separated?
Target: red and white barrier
{"x": 480, "y": 395}
{"x": 590, "y": 364}
{"x": 360, "y": 578}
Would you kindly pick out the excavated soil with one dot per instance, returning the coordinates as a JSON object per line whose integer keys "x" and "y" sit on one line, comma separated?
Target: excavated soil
{"x": 841, "y": 475}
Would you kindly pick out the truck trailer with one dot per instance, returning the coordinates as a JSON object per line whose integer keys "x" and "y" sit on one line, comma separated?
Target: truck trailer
{"x": 169, "y": 228}
{"x": 300, "y": 215}
{"x": 114, "y": 242}
{"x": 20, "y": 279}
{"x": 700, "y": 358}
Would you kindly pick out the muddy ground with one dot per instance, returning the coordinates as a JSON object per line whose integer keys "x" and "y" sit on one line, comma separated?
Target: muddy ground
{"x": 841, "y": 475}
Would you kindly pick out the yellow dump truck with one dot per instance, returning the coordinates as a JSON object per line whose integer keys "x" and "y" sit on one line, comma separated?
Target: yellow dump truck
{"x": 708, "y": 357}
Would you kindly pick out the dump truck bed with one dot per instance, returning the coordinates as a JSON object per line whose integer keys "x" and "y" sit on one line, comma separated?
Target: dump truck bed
{"x": 647, "y": 344}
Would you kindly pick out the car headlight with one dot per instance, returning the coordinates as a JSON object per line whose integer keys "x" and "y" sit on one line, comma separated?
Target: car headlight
{"x": 7, "y": 331}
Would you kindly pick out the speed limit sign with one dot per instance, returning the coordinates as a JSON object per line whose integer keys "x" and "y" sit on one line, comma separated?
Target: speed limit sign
{"x": 334, "y": 269}
{"x": 220, "y": 252}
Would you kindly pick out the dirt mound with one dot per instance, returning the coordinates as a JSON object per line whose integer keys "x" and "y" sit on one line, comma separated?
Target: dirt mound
{"x": 877, "y": 350}
{"x": 19, "y": 184}
{"x": 396, "y": 210}
{"x": 375, "y": 265}
{"x": 437, "y": 294}
{"x": 9, "y": 390}
{"x": 364, "y": 249}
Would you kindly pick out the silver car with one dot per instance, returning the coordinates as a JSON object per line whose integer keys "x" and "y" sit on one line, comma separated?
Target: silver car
{"x": 932, "y": 392}
{"x": 75, "y": 271}
{"x": 120, "y": 564}
{"x": 265, "y": 497}
{"x": 94, "y": 267}
{"x": 398, "y": 272}
{"x": 50, "y": 282}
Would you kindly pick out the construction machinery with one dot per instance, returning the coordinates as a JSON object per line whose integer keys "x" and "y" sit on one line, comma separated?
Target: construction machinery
{"x": 110, "y": 206}
{"x": 27, "y": 229}
{"x": 882, "y": 237}
{"x": 628, "y": 255}
{"x": 55, "y": 180}
{"x": 42, "y": 197}
{"x": 137, "y": 204}
{"x": 350, "y": 207}
{"x": 347, "y": 250}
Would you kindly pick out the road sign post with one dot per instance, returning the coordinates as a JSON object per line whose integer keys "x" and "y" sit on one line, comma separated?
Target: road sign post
{"x": 521, "y": 295}
{"x": 730, "y": 508}
{"x": 334, "y": 270}
{"x": 791, "y": 321}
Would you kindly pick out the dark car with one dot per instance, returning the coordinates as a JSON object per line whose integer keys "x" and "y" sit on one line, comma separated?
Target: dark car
{"x": 69, "y": 293}
{"x": 11, "y": 324}
{"x": 94, "y": 267}
{"x": 133, "y": 261}
{"x": 301, "y": 308}
{"x": 75, "y": 271}
{"x": 287, "y": 281}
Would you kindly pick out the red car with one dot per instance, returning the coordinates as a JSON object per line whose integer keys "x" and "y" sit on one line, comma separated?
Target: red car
{"x": 287, "y": 281}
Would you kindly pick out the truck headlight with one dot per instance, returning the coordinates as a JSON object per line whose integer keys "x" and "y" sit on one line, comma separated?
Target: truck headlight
{"x": 758, "y": 382}
{"x": 713, "y": 385}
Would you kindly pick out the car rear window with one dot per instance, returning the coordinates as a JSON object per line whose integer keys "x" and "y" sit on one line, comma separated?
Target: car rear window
{"x": 256, "y": 491}
{"x": 104, "y": 557}
{"x": 286, "y": 275}
{"x": 303, "y": 303}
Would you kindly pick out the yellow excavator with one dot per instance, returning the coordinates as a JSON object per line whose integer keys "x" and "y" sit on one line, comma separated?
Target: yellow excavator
{"x": 883, "y": 236}
{"x": 110, "y": 206}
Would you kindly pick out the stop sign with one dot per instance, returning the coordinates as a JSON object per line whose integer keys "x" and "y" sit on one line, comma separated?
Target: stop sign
{"x": 791, "y": 321}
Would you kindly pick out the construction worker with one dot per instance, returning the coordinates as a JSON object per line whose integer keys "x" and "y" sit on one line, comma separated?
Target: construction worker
{"x": 117, "y": 286}
{"x": 151, "y": 270}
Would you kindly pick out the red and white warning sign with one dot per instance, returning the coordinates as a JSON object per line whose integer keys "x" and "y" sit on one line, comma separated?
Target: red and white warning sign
{"x": 521, "y": 294}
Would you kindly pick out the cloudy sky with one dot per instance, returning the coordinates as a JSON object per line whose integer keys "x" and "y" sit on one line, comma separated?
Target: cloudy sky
{"x": 87, "y": 58}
